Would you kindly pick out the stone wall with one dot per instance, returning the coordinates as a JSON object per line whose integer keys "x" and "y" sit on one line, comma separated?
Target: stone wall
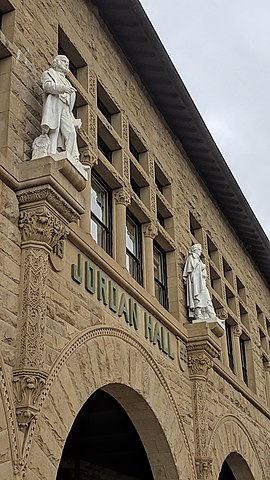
{"x": 197, "y": 415}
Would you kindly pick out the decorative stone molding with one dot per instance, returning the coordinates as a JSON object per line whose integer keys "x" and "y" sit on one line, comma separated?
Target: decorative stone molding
{"x": 33, "y": 307}
{"x": 150, "y": 230}
{"x": 125, "y": 134}
{"x": 40, "y": 225}
{"x": 47, "y": 193}
{"x": 199, "y": 364}
{"x": 204, "y": 468}
{"x": 122, "y": 197}
{"x": 92, "y": 83}
{"x": 92, "y": 122}
{"x": 266, "y": 366}
{"x": 237, "y": 330}
{"x": 28, "y": 386}
{"x": 126, "y": 166}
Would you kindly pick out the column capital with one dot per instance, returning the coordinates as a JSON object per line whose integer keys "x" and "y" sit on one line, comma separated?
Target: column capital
{"x": 89, "y": 158}
{"x": 199, "y": 364}
{"x": 150, "y": 230}
{"x": 122, "y": 196}
{"x": 237, "y": 330}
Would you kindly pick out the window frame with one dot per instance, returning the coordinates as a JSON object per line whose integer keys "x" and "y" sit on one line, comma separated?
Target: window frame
{"x": 163, "y": 282}
{"x": 229, "y": 343}
{"x": 137, "y": 257}
{"x": 95, "y": 178}
{"x": 243, "y": 354}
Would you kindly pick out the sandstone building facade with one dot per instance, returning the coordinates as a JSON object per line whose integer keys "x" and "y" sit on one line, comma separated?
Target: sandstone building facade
{"x": 103, "y": 376}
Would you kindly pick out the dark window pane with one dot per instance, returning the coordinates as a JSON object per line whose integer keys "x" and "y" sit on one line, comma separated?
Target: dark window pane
{"x": 160, "y": 276}
{"x": 102, "y": 107}
{"x": 103, "y": 147}
{"x": 134, "y": 151}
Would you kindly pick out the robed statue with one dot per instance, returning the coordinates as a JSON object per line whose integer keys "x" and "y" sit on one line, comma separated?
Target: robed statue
{"x": 199, "y": 302}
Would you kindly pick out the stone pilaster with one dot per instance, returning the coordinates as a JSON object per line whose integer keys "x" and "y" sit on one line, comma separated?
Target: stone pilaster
{"x": 43, "y": 221}
{"x": 202, "y": 349}
{"x": 89, "y": 159}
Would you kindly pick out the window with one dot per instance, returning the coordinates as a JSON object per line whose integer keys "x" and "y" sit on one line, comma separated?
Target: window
{"x": 160, "y": 276}
{"x": 135, "y": 187}
{"x": 162, "y": 182}
{"x": 101, "y": 213}
{"x": 136, "y": 147}
{"x": 133, "y": 248}
{"x": 229, "y": 345}
{"x": 106, "y": 105}
{"x": 103, "y": 147}
{"x": 243, "y": 359}
{"x": 77, "y": 64}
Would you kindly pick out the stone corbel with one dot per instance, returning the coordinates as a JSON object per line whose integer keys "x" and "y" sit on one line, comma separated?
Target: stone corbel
{"x": 27, "y": 386}
{"x": 204, "y": 468}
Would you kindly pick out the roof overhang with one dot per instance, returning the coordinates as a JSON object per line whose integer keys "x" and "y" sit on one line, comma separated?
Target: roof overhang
{"x": 133, "y": 31}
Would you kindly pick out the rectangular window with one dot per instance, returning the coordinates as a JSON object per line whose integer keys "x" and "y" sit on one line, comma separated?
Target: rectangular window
{"x": 160, "y": 276}
{"x": 243, "y": 359}
{"x": 101, "y": 213}
{"x": 133, "y": 248}
{"x": 229, "y": 345}
{"x": 103, "y": 147}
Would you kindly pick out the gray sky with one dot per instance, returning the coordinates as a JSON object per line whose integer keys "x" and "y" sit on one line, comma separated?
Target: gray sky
{"x": 221, "y": 49}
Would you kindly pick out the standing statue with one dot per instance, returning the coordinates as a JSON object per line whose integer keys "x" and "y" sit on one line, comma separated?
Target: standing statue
{"x": 199, "y": 302}
{"x": 58, "y": 123}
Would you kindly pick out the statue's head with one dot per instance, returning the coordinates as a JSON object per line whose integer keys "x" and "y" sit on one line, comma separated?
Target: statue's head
{"x": 196, "y": 248}
{"x": 60, "y": 63}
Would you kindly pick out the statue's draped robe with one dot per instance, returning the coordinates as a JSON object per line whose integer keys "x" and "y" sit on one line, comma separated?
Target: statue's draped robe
{"x": 194, "y": 275}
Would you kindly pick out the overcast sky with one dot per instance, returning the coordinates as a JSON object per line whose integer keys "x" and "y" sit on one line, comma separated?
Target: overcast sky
{"x": 221, "y": 49}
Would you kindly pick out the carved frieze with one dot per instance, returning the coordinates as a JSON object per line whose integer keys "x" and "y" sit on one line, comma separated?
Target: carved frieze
{"x": 47, "y": 193}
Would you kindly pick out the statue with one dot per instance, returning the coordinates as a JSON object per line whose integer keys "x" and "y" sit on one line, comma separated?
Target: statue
{"x": 199, "y": 302}
{"x": 58, "y": 123}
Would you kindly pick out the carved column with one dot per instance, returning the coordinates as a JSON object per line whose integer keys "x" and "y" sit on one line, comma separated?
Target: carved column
{"x": 122, "y": 200}
{"x": 89, "y": 159}
{"x": 43, "y": 219}
{"x": 237, "y": 332}
{"x": 200, "y": 361}
{"x": 150, "y": 232}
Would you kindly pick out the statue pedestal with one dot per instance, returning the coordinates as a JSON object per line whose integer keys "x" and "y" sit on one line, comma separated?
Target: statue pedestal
{"x": 216, "y": 325}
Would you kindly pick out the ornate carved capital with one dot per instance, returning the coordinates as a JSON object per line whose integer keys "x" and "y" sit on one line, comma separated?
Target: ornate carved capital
{"x": 40, "y": 225}
{"x": 199, "y": 364}
{"x": 27, "y": 386}
{"x": 237, "y": 330}
{"x": 122, "y": 197}
{"x": 204, "y": 468}
{"x": 89, "y": 158}
{"x": 150, "y": 230}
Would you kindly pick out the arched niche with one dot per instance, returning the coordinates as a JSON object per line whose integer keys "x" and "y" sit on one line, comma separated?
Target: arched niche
{"x": 235, "y": 468}
{"x": 231, "y": 442}
{"x": 112, "y": 360}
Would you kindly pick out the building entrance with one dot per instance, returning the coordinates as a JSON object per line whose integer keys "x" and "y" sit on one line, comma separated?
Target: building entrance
{"x": 103, "y": 444}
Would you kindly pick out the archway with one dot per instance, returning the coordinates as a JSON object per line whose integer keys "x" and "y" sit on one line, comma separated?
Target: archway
{"x": 103, "y": 444}
{"x": 235, "y": 468}
{"x": 111, "y": 360}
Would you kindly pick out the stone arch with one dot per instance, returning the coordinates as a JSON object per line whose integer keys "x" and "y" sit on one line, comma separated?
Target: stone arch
{"x": 231, "y": 440}
{"x": 109, "y": 359}
{"x": 10, "y": 453}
